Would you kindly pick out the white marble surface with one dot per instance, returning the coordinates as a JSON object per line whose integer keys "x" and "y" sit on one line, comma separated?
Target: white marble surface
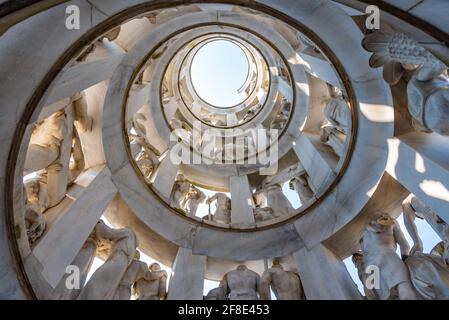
{"x": 187, "y": 281}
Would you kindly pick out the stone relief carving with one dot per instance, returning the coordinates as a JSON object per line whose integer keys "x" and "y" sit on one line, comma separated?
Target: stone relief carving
{"x": 428, "y": 82}
{"x": 379, "y": 240}
{"x": 241, "y": 284}
{"x": 222, "y": 208}
{"x": 153, "y": 286}
{"x": 286, "y": 285}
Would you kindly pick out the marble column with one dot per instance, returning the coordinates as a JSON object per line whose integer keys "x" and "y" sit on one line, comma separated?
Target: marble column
{"x": 187, "y": 280}
{"x": 165, "y": 176}
{"x": 324, "y": 276}
{"x": 315, "y": 165}
{"x": 71, "y": 222}
{"x": 420, "y": 162}
{"x": 242, "y": 203}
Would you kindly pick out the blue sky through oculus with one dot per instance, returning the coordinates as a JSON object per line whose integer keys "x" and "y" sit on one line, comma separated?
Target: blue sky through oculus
{"x": 218, "y": 70}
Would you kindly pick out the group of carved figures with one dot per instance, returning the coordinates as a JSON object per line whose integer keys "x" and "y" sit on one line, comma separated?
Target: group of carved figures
{"x": 54, "y": 160}
{"x": 271, "y": 201}
{"x": 120, "y": 276}
{"x": 245, "y": 284}
{"x": 414, "y": 275}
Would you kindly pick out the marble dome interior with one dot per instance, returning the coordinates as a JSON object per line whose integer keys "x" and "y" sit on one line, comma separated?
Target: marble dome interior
{"x": 139, "y": 164}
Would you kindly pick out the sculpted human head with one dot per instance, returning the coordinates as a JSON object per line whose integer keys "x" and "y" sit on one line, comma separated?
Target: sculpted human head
{"x": 154, "y": 267}
{"x": 383, "y": 220}
{"x": 32, "y": 189}
{"x": 277, "y": 264}
{"x": 357, "y": 258}
{"x": 242, "y": 267}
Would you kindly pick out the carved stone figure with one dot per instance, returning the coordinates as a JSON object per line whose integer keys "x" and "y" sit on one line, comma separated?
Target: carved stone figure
{"x": 242, "y": 284}
{"x": 181, "y": 129}
{"x": 35, "y": 224}
{"x": 428, "y": 101}
{"x": 429, "y": 273}
{"x": 180, "y": 192}
{"x": 263, "y": 214}
{"x": 153, "y": 286}
{"x": 78, "y": 164}
{"x": 138, "y": 124}
{"x": 37, "y": 195}
{"x": 280, "y": 120}
{"x": 336, "y": 125}
{"x": 45, "y": 143}
{"x": 147, "y": 158}
{"x": 104, "y": 282}
{"x": 193, "y": 198}
{"x": 216, "y": 294}
{"x": 413, "y": 208}
{"x": 300, "y": 184}
{"x": 286, "y": 285}
{"x": 214, "y": 119}
{"x": 379, "y": 241}
{"x": 136, "y": 270}
{"x": 222, "y": 207}
{"x": 83, "y": 122}
{"x": 276, "y": 199}
{"x": 359, "y": 263}
{"x": 83, "y": 261}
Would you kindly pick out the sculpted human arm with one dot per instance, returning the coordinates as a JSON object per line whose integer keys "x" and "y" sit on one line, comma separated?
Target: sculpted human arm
{"x": 409, "y": 222}
{"x": 224, "y": 285}
{"x": 265, "y": 286}
{"x": 211, "y": 199}
{"x": 401, "y": 241}
{"x": 163, "y": 287}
